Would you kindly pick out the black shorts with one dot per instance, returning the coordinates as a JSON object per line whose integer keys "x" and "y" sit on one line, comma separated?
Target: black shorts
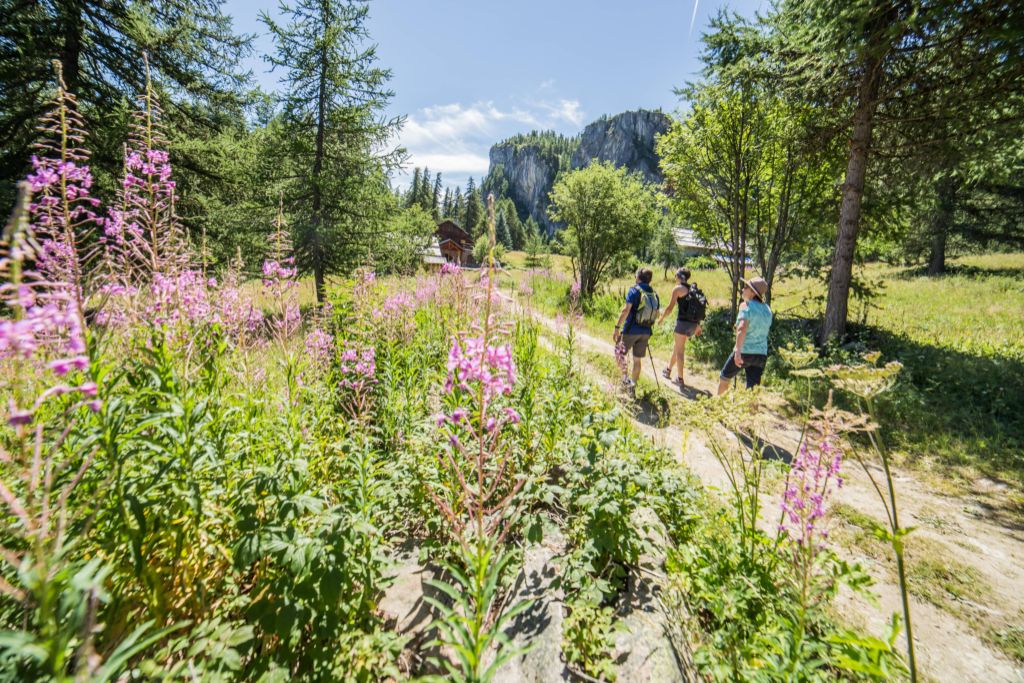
{"x": 686, "y": 327}
{"x": 753, "y": 368}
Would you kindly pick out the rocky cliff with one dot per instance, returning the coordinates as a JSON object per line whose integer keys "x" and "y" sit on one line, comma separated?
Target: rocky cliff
{"x": 524, "y": 174}
{"x": 625, "y": 140}
{"x": 526, "y": 167}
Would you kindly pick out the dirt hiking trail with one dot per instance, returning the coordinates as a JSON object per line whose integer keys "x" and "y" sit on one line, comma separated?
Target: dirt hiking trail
{"x": 961, "y": 531}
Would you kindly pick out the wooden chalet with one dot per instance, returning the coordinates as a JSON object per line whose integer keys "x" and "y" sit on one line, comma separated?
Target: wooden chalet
{"x": 455, "y": 243}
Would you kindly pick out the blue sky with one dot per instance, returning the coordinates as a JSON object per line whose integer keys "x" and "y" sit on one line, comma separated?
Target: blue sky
{"x": 467, "y": 74}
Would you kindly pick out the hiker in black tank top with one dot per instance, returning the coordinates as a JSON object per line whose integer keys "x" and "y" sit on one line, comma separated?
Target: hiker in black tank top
{"x": 684, "y": 328}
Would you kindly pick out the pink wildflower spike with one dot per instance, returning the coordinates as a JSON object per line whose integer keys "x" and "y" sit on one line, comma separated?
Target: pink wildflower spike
{"x": 319, "y": 345}
{"x": 814, "y": 475}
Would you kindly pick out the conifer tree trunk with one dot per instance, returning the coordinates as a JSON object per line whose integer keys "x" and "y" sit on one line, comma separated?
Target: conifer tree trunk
{"x": 318, "y": 165}
{"x": 836, "y": 308}
{"x": 941, "y": 221}
{"x": 71, "y": 51}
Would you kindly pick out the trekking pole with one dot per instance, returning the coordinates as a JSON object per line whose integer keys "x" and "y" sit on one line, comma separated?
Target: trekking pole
{"x": 654, "y": 369}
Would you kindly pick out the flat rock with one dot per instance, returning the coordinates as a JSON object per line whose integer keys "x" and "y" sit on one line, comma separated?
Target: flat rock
{"x": 540, "y": 626}
{"x": 403, "y": 602}
{"x": 646, "y": 648}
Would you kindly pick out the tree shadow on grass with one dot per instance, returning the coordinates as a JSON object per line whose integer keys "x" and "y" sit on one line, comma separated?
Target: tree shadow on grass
{"x": 949, "y": 406}
{"x": 960, "y": 270}
{"x": 968, "y": 405}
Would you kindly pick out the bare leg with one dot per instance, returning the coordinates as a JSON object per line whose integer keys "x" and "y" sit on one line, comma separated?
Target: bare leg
{"x": 636, "y": 368}
{"x": 723, "y": 386}
{"x": 680, "y": 356}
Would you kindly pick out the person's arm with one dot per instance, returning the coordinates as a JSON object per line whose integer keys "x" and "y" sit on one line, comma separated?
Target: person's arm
{"x": 617, "y": 334}
{"x": 741, "y": 334}
{"x": 676, "y": 293}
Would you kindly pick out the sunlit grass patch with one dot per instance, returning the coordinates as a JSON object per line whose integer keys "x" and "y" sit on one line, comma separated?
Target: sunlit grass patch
{"x": 1009, "y": 639}
{"x": 934, "y": 575}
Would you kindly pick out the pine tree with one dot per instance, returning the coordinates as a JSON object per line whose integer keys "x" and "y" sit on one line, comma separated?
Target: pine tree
{"x": 516, "y": 230}
{"x": 474, "y": 218}
{"x": 435, "y": 200}
{"x": 501, "y": 230}
{"x": 531, "y": 228}
{"x": 334, "y": 94}
{"x": 413, "y": 198}
{"x": 894, "y": 72}
{"x": 100, "y": 44}
{"x": 424, "y": 191}
{"x": 458, "y": 208}
{"x": 446, "y": 205}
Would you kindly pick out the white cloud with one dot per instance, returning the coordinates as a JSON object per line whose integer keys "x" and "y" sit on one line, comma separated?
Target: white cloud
{"x": 453, "y": 123}
{"x": 567, "y": 110}
{"x": 458, "y": 164}
{"x": 454, "y": 138}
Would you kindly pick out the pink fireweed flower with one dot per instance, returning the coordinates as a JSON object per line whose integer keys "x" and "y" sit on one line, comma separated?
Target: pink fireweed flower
{"x": 813, "y": 478}
{"x": 180, "y": 298}
{"x": 451, "y": 269}
{"x": 50, "y": 325}
{"x": 277, "y": 272}
{"x": 426, "y": 290}
{"x": 472, "y": 363}
{"x": 620, "y": 357}
{"x": 358, "y": 367}
{"x": 17, "y": 417}
{"x": 238, "y": 312}
{"x": 63, "y": 366}
{"x": 319, "y": 346}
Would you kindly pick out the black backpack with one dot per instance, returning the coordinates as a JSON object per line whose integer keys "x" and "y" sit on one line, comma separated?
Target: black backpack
{"x": 694, "y": 305}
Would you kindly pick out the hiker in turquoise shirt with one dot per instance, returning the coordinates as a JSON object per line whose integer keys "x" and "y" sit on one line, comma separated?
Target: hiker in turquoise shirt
{"x": 752, "y": 325}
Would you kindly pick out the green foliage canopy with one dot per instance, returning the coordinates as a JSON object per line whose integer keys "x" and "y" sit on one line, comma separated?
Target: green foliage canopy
{"x": 608, "y": 213}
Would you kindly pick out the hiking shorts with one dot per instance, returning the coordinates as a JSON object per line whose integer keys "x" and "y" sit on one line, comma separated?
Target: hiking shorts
{"x": 753, "y": 368}
{"x": 636, "y": 342}
{"x": 686, "y": 327}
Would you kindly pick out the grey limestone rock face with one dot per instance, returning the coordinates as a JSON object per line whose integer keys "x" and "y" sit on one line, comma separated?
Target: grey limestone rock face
{"x": 530, "y": 178}
{"x": 625, "y": 140}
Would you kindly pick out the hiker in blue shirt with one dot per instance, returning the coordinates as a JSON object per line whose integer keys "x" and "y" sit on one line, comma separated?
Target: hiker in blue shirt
{"x": 752, "y": 324}
{"x": 639, "y": 313}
